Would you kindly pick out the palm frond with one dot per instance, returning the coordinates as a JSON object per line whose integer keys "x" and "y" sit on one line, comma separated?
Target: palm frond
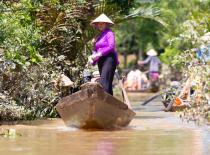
{"x": 114, "y": 11}
{"x": 151, "y": 12}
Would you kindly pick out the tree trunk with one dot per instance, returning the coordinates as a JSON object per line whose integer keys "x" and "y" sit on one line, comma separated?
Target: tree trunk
{"x": 125, "y": 59}
{"x": 140, "y": 56}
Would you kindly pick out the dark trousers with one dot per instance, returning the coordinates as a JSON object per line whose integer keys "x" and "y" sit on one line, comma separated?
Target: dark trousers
{"x": 107, "y": 66}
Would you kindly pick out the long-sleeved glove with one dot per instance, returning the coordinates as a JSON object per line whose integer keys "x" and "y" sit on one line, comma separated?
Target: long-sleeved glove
{"x": 90, "y": 60}
{"x": 95, "y": 56}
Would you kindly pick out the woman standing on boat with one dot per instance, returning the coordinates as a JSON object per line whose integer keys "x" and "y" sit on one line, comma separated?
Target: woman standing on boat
{"x": 104, "y": 53}
{"x": 154, "y": 63}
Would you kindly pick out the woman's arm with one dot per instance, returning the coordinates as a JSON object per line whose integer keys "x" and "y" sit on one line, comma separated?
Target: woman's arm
{"x": 145, "y": 61}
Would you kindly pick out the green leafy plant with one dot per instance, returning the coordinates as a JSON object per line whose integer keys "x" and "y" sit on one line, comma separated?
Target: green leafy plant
{"x": 40, "y": 41}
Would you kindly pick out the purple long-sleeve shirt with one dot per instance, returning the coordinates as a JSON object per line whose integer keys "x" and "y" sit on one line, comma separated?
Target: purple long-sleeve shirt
{"x": 105, "y": 44}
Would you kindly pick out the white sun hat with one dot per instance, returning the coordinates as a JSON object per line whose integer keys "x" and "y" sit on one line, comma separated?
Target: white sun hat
{"x": 152, "y": 52}
{"x": 102, "y": 18}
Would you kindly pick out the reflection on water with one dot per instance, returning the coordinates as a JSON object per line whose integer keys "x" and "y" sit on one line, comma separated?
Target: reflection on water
{"x": 152, "y": 132}
{"x": 104, "y": 147}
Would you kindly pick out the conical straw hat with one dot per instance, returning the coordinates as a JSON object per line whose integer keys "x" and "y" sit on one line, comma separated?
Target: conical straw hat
{"x": 102, "y": 18}
{"x": 152, "y": 52}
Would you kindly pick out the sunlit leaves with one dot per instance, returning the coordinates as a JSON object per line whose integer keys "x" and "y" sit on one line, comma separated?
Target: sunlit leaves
{"x": 21, "y": 36}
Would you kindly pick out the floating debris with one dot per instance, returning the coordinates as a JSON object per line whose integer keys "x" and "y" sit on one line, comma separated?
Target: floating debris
{"x": 10, "y": 133}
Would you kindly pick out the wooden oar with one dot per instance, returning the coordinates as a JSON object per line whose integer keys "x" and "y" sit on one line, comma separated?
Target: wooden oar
{"x": 125, "y": 96}
{"x": 151, "y": 98}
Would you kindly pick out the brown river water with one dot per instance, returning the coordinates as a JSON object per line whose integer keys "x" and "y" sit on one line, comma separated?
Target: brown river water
{"x": 152, "y": 132}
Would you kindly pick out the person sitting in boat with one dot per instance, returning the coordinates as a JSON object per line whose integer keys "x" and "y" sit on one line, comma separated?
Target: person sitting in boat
{"x": 104, "y": 53}
{"x": 135, "y": 80}
{"x": 154, "y": 63}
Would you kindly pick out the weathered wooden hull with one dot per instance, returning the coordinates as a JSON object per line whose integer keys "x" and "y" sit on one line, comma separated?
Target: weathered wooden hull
{"x": 154, "y": 90}
{"x": 91, "y": 107}
{"x": 179, "y": 108}
{"x": 174, "y": 108}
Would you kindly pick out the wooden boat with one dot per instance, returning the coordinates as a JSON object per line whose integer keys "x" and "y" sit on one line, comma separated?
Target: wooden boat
{"x": 149, "y": 89}
{"x": 91, "y": 107}
{"x": 179, "y": 107}
{"x": 171, "y": 107}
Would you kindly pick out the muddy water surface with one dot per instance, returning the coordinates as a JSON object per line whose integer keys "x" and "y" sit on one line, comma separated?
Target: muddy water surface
{"x": 152, "y": 132}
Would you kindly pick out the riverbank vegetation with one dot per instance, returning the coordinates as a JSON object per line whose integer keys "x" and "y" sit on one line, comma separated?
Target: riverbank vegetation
{"x": 179, "y": 42}
{"x": 41, "y": 40}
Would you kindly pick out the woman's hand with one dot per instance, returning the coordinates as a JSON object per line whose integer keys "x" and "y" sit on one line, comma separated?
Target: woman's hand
{"x": 93, "y": 41}
{"x": 140, "y": 63}
{"x": 96, "y": 56}
{"x": 90, "y": 61}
